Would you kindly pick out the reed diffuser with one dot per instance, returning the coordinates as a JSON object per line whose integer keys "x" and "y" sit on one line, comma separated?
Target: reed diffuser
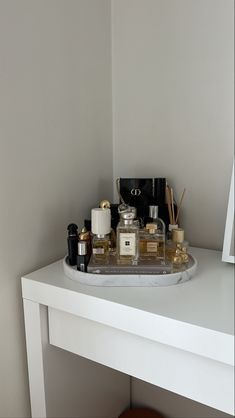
{"x": 174, "y": 217}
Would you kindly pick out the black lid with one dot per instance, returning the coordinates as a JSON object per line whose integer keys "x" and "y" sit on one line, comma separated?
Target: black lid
{"x": 72, "y": 228}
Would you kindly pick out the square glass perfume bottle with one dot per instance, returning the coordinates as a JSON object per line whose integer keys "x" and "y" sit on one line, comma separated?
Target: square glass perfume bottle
{"x": 152, "y": 242}
{"x": 176, "y": 249}
{"x": 127, "y": 237}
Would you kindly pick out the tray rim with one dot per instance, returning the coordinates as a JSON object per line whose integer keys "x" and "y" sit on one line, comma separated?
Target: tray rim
{"x": 131, "y": 280}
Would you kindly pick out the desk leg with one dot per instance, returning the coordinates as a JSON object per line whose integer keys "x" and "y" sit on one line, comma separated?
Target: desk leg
{"x": 35, "y": 358}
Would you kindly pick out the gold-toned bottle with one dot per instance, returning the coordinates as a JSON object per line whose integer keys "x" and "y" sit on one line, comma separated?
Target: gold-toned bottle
{"x": 176, "y": 249}
{"x": 100, "y": 226}
{"x": 100, "y": 249}
{"x": 152, "y": 242}
{"x": 105, "y": 204}
{"x": 85, "y": 235}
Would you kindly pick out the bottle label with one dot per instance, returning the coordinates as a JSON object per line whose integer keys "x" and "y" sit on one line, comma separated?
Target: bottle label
{"x": 152, "y": 247}
{"x": 98, "y": 250}
{"x": 127, "y": 244}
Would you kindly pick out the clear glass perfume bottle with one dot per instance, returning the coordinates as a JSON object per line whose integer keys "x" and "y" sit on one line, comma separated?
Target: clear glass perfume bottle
{"x": 153, "y": 215}
{"x": 100, "y": 226}
{"x": 177, "y": 247}
{"x": 112, "y": 241}
{"x": 105, "y": 204}
{"x": 100, "y": 249}
{"x": 85, "y": 235}
{"x": 154, "y": 219}
{"x": 127, "y": 237}
{"x": 152, "y": 241}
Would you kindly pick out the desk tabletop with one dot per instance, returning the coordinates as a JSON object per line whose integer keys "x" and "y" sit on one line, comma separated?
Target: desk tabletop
{"x": 189, "y": 325}
{"x": 207, "y": 300}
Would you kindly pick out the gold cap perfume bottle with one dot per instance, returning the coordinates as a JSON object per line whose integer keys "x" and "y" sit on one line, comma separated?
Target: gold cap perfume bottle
{"x": 85, "y": 236}
{"x": 152, "y": 241}
{"x": 177, "y": 248}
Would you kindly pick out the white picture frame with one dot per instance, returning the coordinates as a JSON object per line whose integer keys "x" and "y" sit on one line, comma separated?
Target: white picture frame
{"x": 228, "y": 246}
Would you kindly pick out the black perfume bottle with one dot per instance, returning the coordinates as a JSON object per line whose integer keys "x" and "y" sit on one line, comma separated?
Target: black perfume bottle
{"x": 72, "y": 241}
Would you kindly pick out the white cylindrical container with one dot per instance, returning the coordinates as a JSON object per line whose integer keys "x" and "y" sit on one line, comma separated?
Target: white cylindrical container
{"x": 100, "y": 221}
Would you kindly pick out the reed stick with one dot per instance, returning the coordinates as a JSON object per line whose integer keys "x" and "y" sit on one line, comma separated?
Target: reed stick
{"x": 168, "y": 199}
{"x": 172, "y": 205}
{"x": 180, "y": 204}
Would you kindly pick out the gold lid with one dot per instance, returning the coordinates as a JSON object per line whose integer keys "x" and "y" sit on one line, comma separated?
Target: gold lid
{"x": 84, "y": 234}
{"x": 105, "y": 204}
{"x": 178, "y": 235}
{"x": 151, "y": 228}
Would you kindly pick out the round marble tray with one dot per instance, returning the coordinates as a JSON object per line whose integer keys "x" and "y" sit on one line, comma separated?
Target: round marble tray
{"x": 143, "y": 280}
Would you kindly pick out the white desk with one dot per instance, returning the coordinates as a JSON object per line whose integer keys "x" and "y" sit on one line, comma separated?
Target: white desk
{"x": 179, "y": 337}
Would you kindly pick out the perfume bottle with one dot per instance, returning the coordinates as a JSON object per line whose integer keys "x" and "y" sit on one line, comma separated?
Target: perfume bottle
{"x": 152, "y": 242}
{"x": 105, "y": 204}
{"x": 176, "y": 249}
{"x": 100, "y": 227}
{"x": 153, "y": 216}
{"x": 83, "y": 256}
{"x": 85, "y": 235}
{"x": 112, "y": 241}
{"x": 153, "y": 213}
{"x": 178, "y": 238}
{"x": 72, "y": 242}
{"x": 127, "y": 236}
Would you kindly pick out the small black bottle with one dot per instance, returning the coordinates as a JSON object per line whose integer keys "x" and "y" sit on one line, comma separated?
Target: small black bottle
{"x": 72, "y": 244}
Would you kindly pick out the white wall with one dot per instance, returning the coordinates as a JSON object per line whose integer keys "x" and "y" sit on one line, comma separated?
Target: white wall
{"x": 172, "y": 93}
{"x": 173, "y": 117}
{"x": 55, "y": 150}
{"x": 173, "y": 103}
{"x": 169, "y": 404}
